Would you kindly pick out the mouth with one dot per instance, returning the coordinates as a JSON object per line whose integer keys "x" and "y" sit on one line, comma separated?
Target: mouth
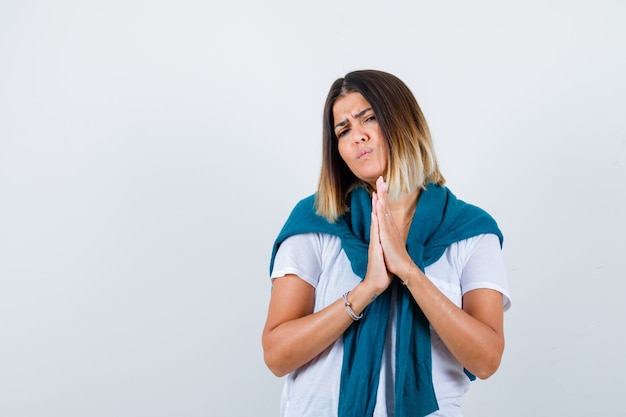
{"x": 363, "y": 152}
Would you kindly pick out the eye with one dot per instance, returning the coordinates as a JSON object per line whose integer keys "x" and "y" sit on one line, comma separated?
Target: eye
{"x": 342, "y": 133}
{"x": 370, "y": 118}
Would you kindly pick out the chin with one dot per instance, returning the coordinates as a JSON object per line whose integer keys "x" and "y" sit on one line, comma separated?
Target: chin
{"x": 370, "y": 182}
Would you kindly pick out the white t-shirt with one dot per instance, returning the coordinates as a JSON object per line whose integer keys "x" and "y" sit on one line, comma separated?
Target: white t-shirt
{"x": 317, "y": 258}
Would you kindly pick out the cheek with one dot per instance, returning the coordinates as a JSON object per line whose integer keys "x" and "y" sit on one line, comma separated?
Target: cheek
{"x": 342, "y": 151}
{"x": 383, "y": 159}
{"x": 383, "y": 152}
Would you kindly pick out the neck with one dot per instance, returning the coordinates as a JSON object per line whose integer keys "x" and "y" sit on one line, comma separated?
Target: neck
{"x": 403, "y": 209}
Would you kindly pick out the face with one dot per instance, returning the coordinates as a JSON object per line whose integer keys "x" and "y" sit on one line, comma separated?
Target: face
{"x": 360, "y": 139}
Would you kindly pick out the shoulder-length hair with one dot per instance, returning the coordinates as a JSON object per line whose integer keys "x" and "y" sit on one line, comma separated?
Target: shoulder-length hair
{"x": 411, "y": 160}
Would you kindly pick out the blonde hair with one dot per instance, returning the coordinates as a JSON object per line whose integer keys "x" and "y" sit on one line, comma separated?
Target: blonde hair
{"x": 412, "y": 162}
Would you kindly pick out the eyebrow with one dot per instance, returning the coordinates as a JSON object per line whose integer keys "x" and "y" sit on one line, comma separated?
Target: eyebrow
{"x": 356, "y": 116}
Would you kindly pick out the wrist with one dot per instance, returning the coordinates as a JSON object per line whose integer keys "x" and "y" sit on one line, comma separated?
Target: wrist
{"x": 370, "y": 291}
{"x": 348, "y": 306}
{"x": 362, "y": 295}
{"x": 410, "y": 272}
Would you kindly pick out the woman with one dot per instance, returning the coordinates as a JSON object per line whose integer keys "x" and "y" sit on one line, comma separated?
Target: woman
{"x": 388, "y": 293}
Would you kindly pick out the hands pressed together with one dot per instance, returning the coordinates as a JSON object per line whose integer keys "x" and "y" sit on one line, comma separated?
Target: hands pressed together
{"x": 387, "y": 254}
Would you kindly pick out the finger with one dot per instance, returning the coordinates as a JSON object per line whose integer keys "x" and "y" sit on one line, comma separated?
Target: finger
{"x": 374, "y": 202}
{"x": 379, "y": 208}
{"x": 385, "y": 217}
{"x": 382, "y": 199}
{"x": 374, "y": 235}
{"x": 381, "y": 187}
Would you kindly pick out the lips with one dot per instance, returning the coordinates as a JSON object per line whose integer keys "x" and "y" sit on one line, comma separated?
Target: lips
{"x": 363, "y": 152}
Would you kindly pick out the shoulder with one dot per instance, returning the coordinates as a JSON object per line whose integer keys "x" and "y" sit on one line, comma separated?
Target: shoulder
{"x": 469, "y": 219}
{"x": 472, "y": 263}
{"x": 488, "y": 242}
{"x": 302, "y": 220}
{"x": 305, "y": 255}
{"x": 483, "y": 265}
{"x": 312, "y": 241}
{"x": 482, "y": 249}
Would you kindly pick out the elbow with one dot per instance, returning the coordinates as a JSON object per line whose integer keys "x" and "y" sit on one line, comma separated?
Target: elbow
{"x": 488, "y": 365}
{"x": 274, "y": 365}
{"x": 274, "y": 358}
{"x": 486, "y": 372}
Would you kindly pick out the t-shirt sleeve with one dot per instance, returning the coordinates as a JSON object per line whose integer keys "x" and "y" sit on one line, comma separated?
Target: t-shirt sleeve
{"x": 484, "y": 267}
{"x": 300, "y": 255}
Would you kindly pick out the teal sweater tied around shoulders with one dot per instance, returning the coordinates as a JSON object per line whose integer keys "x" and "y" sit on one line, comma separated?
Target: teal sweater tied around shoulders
{"x": 440, "y": 219}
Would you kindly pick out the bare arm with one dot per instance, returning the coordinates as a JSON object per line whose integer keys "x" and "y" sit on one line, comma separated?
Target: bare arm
{"x": 474, "y": 334}
{"x": 293, "y": 334}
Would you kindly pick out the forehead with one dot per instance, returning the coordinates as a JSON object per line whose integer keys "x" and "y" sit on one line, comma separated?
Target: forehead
{"x": 349, "y": 105}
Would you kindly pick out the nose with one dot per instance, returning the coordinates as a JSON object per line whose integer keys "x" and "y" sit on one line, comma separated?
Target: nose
{"x": 359, "y": 134}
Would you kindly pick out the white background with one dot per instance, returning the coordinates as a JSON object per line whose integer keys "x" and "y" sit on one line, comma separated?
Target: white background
{"x": 151, "y": 150}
